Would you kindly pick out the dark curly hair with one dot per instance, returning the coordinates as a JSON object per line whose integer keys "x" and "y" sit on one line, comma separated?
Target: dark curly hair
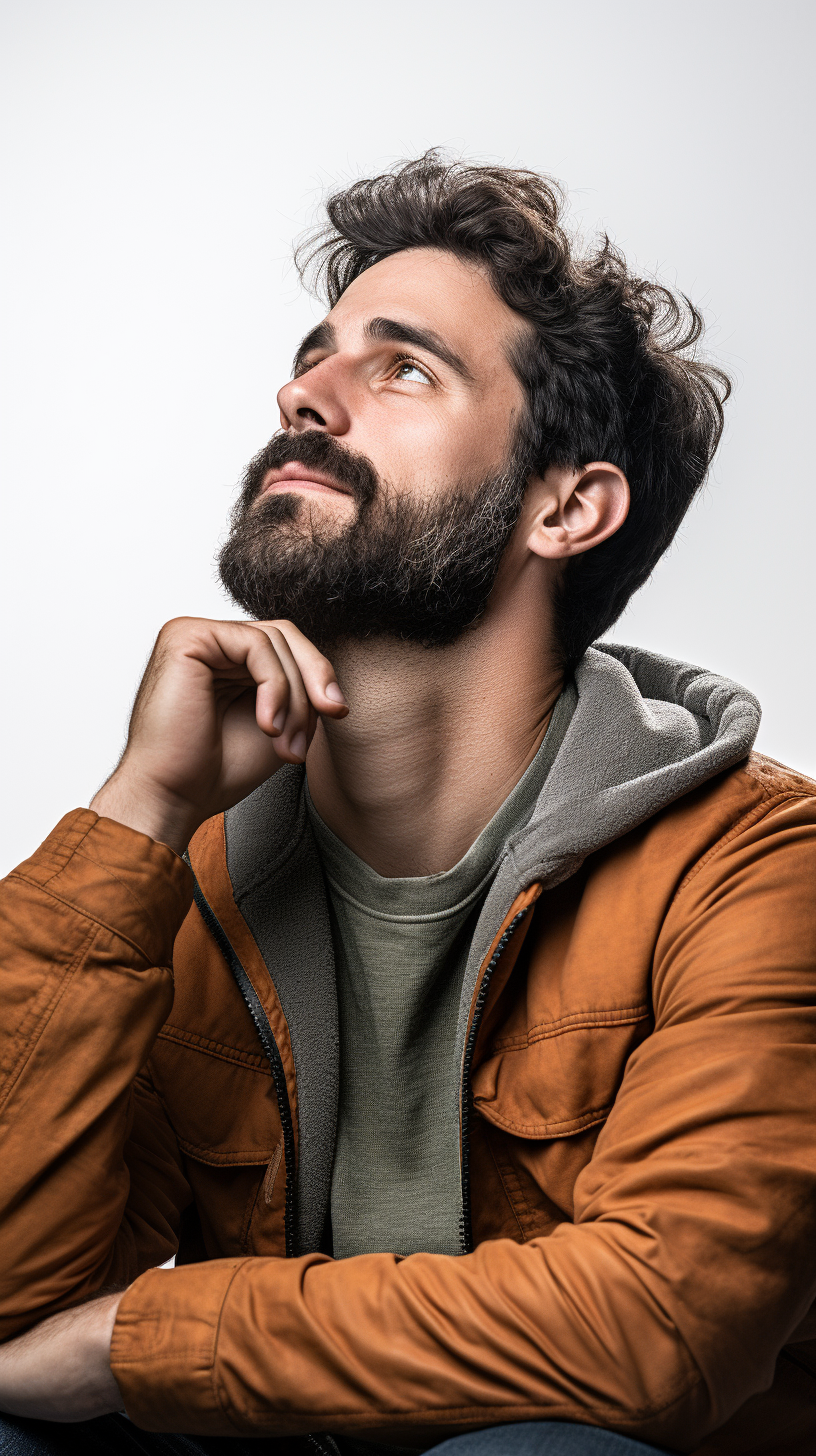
{"x": 610, "y": 373}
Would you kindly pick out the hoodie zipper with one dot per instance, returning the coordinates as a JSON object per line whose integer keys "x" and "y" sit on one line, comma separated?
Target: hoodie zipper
{"x": 465, "y": 1222}
{"x": 270, "y": 1047}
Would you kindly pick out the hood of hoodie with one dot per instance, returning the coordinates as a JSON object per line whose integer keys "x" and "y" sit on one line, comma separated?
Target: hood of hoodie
{"x": 644, "y": 731}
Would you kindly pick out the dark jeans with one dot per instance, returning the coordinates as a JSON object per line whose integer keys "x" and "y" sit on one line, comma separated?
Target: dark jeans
{"x": 115, "y": 1436}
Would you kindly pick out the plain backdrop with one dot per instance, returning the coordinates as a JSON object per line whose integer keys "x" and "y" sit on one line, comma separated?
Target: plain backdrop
{"x": 158, "y": 158}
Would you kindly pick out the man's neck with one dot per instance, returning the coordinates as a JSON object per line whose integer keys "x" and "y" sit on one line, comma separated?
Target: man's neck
{"x": 435, "y": 741}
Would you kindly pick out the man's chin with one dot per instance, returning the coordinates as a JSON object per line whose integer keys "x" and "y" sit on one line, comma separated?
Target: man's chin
{"x": 303, "y": 507}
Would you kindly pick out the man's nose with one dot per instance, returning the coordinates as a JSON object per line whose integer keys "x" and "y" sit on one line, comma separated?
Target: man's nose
{"x": 314, "y": 401}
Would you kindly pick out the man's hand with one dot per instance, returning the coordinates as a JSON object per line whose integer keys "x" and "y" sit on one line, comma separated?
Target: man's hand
{"x": 221, "y": 706}
{"x": 60, "y": 1370}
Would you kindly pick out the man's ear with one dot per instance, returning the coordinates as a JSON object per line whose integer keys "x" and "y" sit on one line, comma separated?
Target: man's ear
{"x": 574, "y": 510}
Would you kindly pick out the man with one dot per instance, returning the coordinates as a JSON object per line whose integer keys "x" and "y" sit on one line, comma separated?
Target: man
{"x": 479, "y": 1101}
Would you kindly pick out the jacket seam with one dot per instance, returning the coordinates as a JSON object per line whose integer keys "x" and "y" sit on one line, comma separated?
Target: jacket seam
{"x": 25, "y": 1044}
{"x": 563, "y": 1127}
{"x": 216, "y": 1337}
{"x": 759, "y": 811}
{"x": 116, "y": 877}
{"x": 507, "y": 1193}
{"x": 575, "y": 1021}
{"x": 237, "y": 1157}
{"x": 57, "y": 846}
{"x": 93, "y": 919}
{"x": 80, "y": 854}
{"x": 216, "y": 1049}
{"x": 429, "y": 1415}
{"x": 249, "y": 1211}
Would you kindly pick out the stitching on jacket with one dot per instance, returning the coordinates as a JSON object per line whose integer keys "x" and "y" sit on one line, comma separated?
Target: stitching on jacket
{"x": 507, "y": 1193}
{"x": 25, "y": 1042}
{"x": 59, "y": 848}
{"x": 575, "y": 1021}
{"x": 249, "y": 1211}
{"x": 428, "y": 1416}
{"x": 217, "y": 1049}
{"x": 759, "y": 811}
{"x": 235, "y": 1157}
{"x": 94, "y": 919}
{"x": 567, "y": 1125}
{"x": 216, "y": 1336}
{"x": 100, "y": 864}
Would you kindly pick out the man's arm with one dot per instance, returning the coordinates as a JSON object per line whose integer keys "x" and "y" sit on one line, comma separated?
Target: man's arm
{"x": 86, "y": 936}
{"x": 60, "y": 1369}
{"x": 92, "y": 1184}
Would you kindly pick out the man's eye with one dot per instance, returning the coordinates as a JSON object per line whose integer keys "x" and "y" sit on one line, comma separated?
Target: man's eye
{"x": 411, "y": 371}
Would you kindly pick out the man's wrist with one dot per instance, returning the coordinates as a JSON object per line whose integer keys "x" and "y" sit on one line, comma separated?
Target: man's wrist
{"x": 138, "y": 805}
{"x": 60, "y": 1370}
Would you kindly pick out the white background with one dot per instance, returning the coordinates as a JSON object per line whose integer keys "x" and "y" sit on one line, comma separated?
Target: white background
{"x": 158, "y": 158}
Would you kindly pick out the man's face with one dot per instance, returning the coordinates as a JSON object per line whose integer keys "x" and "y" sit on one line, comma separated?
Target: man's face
{"x": 386, "y": 504}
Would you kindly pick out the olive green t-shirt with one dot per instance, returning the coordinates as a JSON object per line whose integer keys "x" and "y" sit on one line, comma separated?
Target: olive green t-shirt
{"x": 401, "y": 946}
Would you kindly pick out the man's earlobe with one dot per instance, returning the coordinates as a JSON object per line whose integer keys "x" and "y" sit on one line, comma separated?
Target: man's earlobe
{"x": 578, "y": 509}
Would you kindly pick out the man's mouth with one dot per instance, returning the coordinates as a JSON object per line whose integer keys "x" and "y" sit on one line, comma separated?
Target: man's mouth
{"x": 294, "y": 476}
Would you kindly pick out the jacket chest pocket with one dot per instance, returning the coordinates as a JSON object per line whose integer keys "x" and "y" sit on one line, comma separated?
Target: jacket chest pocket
{"x": 544, "y": 1097}
{"x": 241, "y": 1207}
{"x": 225, "y": 1115}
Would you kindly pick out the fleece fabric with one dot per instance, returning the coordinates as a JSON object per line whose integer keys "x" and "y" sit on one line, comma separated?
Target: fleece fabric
{"x": 401, "y": 947}
{"x": 645, "y": 731}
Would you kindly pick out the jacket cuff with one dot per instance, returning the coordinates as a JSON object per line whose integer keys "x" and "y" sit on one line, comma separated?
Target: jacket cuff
{"x": 137, "y": 887}
{"x": 164, "y": 1346}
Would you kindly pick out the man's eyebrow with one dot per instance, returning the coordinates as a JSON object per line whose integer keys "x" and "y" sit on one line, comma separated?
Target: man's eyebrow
{"x": 389, "y": 331}
{"x": 322, "y": 336}
{"x": 392, "y": 331}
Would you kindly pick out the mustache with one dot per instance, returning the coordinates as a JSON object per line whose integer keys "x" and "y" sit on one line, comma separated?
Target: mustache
{"x": 319, "y": 451}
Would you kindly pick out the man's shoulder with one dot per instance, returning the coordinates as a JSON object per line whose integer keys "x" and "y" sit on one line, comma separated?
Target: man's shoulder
{"x": 775, "y": 779}
{"x": 729, "y": 826}
{"x": 735, "y": 800}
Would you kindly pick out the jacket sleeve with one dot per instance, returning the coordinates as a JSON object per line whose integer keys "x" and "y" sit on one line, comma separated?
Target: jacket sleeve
{"x": 658, "y": 1312}
{"x": 92, "y": 1184}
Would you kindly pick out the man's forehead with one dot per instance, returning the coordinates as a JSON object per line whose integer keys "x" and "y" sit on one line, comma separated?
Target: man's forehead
{"x": 424, "y": 291}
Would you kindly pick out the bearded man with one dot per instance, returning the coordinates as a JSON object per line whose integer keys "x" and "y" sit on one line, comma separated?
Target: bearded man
{"x": 435, "y": 986}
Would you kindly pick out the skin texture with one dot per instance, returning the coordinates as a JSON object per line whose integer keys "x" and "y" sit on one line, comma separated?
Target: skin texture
{"x": 397, "y": 758}
{"x": 60, "y": 1369}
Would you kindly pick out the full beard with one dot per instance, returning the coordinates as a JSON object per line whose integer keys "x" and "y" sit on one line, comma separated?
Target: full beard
{"x": 416, "y": 571}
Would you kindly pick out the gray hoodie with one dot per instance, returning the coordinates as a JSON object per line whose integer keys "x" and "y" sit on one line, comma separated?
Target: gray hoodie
{"x": 645, "y": 730}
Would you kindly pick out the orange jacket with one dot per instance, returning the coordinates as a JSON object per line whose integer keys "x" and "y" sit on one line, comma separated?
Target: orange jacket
{"x": 638, "y": 1142}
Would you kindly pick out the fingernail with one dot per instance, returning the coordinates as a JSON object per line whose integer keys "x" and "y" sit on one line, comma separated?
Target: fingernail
{"x": 279, "y": 720}
{"x": 333, "y": 692}
{"x": 297, "y": 747}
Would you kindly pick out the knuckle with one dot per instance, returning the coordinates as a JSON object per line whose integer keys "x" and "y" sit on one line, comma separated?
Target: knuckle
{"x": 175, "y": 626}
{"x": 180, "y": 629}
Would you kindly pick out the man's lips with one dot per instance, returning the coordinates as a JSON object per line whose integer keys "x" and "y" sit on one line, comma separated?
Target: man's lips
{"x": 301, "y": 477}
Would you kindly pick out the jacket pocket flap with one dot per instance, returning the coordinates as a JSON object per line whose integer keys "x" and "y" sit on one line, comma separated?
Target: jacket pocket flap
{"x": 559, "y": 1078}
{"x": 222, "y": 1104}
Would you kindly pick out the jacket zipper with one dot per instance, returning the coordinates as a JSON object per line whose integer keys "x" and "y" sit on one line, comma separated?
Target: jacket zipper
{"x": 325, "y": 1444}
{"x": 465, "y": 1222}
{"x": 270, "y": 1047}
